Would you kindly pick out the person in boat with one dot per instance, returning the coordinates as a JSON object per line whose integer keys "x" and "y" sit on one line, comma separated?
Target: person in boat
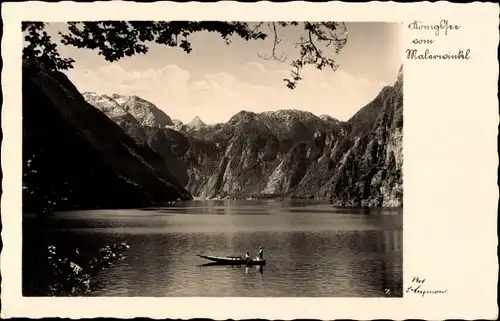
{"x": 247, "y": 257}
{"x": 261, "y": 253}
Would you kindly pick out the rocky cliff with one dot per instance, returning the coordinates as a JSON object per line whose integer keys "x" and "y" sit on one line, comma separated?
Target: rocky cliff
{"x": 119, "y": 115}
{"x": 75, "y": 157}
{"x": 236, "y": 159}
{"x": 362, "y": 162}
{"x": 285, "y": 153}
{"x": 144, "y": 111}
{"x": 370, "y": 172}
{"x": 263, "y": 154}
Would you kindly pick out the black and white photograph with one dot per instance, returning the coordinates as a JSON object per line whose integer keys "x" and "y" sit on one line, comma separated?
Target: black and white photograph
{"x": 212, "y": 159}
{"x": 249, "y": 160}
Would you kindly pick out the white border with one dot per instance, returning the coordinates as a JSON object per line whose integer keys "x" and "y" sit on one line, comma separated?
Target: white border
{"x": 450, "y": 163}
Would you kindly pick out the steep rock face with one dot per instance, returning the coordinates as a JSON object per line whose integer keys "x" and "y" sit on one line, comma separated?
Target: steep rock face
{"x": 298, "y": 155}
{"x": 117, "y": 114}
{"x": 148, "y": 125}
{"x": 297, "y": 175}
{"x": 363, "y": 163}
{"x": 236, "y": 159}
{"x": 292, "y": 153}
{"x": 371, "y": 174}
{"x": 144, "y": 111}
{"x": 247, "y": 158}
{"x": 75, "y": 157}
{"x": 263, "y": 155}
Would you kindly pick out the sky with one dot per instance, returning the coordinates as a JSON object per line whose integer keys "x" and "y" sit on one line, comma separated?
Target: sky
{"x": 216, "y": 80}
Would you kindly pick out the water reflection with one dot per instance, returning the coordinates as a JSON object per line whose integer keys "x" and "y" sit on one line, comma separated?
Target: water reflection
{"x": 313, "y": 251}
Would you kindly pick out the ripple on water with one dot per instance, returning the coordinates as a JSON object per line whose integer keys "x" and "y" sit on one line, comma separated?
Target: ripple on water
{"x": 312, "y": 249}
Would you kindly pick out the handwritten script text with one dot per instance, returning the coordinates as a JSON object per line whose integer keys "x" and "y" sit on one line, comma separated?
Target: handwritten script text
{"x": 437, "y": 28}
{"x": 418, "y": 286}
{"x": 443, "y": 28}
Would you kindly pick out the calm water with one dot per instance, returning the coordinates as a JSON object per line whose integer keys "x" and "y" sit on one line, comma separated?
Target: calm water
{"x": 311, "y": 249}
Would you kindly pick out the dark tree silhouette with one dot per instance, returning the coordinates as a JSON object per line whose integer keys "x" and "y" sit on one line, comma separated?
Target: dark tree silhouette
{"x": 39, "y": 45}
{"x": 117, "y": 39}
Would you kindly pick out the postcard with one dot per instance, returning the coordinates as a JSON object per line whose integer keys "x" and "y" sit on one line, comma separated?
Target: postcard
{"x": 249, "y": 160}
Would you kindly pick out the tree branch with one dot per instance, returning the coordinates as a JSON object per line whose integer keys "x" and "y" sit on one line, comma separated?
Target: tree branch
{"x": 277, "y": 40}
{"x": 311, "y": 54}
{"x": 117, "y": 39}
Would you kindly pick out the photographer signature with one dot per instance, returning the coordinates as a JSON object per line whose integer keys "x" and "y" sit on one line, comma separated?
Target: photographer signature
{"x": 418, "y": 286}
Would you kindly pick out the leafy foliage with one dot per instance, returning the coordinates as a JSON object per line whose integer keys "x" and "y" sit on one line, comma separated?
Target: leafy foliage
{"x": 118, "y": 39}
{"x": 39, "y": 45}
{"x": 68, "y": 278}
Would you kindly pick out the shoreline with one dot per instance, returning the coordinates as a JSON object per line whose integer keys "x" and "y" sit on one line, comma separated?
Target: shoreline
{"x": 173, "y": 204}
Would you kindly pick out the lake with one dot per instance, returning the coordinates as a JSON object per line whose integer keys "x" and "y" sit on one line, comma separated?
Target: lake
{"x": 312, "y": 249}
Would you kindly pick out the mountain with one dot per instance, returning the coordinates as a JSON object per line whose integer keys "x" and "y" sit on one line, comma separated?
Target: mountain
{"x": 118, "y": 114}
{"x": 144, "y": 111}
{"x": 147, "y": 124}
{"x": 289, "y": 153}
{"x": 195, "y": 124}
{"x": 372, "y": 167}
{"x": 255, "y": 146}
{"x": 177, "y": 124}
{"x": 363, "y": 162}
{"x": 330, "y": 119}
{"x": 232, "y": 159}
{"x": 75, "y": 157}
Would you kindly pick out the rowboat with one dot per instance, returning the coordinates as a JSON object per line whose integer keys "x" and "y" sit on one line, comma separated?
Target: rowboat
{"x": 233, "y": 260}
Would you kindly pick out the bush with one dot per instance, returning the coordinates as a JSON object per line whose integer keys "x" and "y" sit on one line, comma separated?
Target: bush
{"x": 68, "y": 278}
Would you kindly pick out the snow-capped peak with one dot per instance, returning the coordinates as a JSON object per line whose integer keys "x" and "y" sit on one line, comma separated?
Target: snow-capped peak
{"x": 196, "y": 123}
{"x": 105, "y": 104}
{"x": 144, "y": 111}
{"x": 121, "y": 99}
